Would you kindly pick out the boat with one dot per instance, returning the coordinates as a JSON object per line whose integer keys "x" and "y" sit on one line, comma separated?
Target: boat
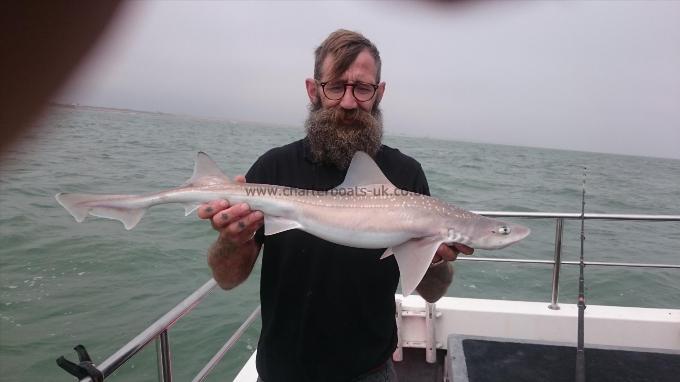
{"x": 472, "y": 339}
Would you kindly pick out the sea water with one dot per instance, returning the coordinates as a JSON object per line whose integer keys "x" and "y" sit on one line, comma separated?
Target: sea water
{"x": 96, "y": 284}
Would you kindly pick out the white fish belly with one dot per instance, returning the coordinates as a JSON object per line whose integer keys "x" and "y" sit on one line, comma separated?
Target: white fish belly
{"x": 357, "y": 238}
{"x": 356, "y": 226}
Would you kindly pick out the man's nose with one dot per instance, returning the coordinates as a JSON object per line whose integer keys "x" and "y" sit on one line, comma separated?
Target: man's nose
{"x": 348, "y": 101}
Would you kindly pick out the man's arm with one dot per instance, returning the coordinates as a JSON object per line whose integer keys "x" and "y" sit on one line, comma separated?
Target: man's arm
{"x": 232, "y": 257}
{"x": 436, "y": 281}
{"x": 231, "y": 264}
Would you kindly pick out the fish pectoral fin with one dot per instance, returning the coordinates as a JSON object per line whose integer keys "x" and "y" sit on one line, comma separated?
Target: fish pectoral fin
{"x": 276, "y": 224}
{"x": 189, "y": 208}
{"x": 388, "y": 252}
{"x": 414, "y": 258}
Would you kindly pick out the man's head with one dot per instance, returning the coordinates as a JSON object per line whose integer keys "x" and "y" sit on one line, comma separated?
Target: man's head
{"x": 345, "y": 93}
{"x": 344, "y": 46}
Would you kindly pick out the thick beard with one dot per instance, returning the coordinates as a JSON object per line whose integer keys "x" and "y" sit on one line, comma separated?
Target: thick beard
{"x": 334, "y": 141}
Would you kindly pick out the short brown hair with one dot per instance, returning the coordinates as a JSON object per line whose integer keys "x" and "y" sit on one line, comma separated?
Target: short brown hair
{"x": 344, "y": 46}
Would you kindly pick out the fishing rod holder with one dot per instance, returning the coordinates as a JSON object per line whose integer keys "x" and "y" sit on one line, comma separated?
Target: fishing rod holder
{"x": 84, "y": 368}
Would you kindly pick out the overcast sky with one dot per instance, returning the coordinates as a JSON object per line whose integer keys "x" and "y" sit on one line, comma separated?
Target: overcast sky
{"x": 594, "y": 76}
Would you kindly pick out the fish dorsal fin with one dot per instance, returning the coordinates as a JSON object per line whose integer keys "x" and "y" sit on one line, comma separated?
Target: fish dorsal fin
{"x": 363, "y": 171}
{"x": 206, "y": 172}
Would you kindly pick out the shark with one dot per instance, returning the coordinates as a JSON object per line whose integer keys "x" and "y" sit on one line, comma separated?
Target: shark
{"x": 365, "y": 211}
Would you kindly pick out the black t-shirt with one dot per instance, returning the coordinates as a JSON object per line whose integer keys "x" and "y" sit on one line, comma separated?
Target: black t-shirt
{"x": 327, "y": 310}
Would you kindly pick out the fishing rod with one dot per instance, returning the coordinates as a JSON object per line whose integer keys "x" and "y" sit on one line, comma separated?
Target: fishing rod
{"x": 580, "y": 351}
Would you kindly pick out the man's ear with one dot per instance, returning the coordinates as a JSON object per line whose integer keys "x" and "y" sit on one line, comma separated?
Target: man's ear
{"x": 380, "y": 92}
{"x": 312, "y": 92}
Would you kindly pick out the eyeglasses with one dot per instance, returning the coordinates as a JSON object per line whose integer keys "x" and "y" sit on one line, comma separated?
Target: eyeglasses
{"x": 335, "y": 90}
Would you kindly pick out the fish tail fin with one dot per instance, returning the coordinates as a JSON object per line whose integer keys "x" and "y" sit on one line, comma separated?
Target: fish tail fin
{"x": 80, "y": 205}
{"x": 414, "y": 258}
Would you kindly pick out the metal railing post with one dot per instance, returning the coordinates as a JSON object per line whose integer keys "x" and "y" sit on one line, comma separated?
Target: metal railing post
{"x": 557, "y": 263}
{"x": 163, "y": 357}
{"x": 203, "y": 374}
{"x": 430, "y": 341}
{"x": 122, "y": 355}
{"x": 398, "y": 354}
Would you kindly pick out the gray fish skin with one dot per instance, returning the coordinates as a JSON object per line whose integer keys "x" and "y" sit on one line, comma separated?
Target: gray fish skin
{"x": 365, "y": 211}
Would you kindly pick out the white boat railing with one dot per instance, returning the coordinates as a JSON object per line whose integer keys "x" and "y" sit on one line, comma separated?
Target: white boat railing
{"x": 559, "y": 228}
{"x": 158, "y": 330}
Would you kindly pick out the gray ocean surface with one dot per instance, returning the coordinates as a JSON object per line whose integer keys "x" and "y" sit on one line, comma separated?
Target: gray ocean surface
{"x": 64, "y": 283}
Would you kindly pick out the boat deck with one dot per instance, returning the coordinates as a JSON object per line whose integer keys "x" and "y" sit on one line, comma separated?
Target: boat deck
{"x": 495, "y": 360}
{"x": 479, "y": 359}
{"x": 412, "y": 367}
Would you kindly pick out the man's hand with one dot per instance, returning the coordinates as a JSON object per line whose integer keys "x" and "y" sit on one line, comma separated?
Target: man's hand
{"x": 232, "y": 257}
{"x": 436, "y": 281}
{"x": 450, "y": 253}
{"x": 236, "y": 224}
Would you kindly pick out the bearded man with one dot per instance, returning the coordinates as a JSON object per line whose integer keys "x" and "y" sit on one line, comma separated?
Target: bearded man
{"x": 327, "y": 310}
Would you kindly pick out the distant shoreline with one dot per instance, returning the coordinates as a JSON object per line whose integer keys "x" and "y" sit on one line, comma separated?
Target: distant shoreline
{"x": 103, "y": 108}
{"x": 77, "y": 106}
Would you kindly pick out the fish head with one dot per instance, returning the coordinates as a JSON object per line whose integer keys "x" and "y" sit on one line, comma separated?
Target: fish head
{"x": 486, "y": 233}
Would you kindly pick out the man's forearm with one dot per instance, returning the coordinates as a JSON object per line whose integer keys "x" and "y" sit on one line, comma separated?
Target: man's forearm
{"x": 231, "y": 264}
{"x": 436, "y": 282}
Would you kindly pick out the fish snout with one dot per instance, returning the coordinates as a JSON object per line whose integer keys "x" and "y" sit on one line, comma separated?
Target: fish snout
{"x": 511, "y": 233}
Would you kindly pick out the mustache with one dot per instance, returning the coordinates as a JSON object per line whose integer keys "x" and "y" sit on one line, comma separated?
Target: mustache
{"x": 339, "y": 117}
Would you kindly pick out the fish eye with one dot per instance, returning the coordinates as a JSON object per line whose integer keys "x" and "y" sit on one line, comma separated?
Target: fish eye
{"x": 504, "y": 230}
